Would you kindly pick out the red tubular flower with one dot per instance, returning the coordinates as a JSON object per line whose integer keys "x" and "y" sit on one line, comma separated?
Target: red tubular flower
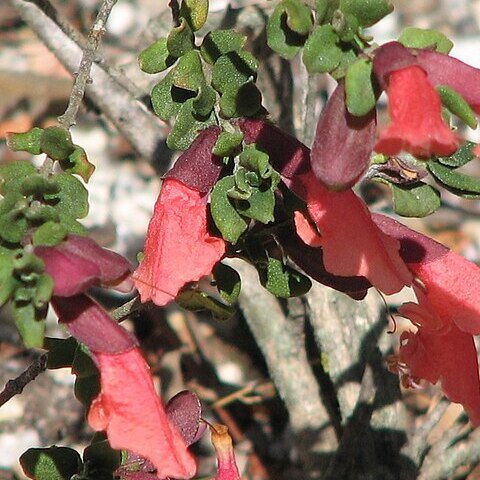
{"x": 452, "y": 282}
{"x": 226, "y": 465}
{"x": 128, "y": 407}
{"x": 447, "y": 315}
{"x": 178, "y": 249}
{"x": 351, "y": 242}
{"x": 447, "y": 355}
{"x": 416, "y": 113}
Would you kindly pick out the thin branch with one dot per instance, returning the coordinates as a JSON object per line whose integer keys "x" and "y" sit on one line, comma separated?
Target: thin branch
{"x": 127, "y": 309}
{"x": 282, "y": 342}
{"x": 138, "y": 125}
{"x": 16, "y": 386}
{"x": 83, "y": 75}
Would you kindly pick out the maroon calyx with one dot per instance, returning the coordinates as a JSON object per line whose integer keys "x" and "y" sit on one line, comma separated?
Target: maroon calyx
{"x": 414, "y": 247}
{"x": 288, "y": 155}
{"x": 343, "y": 143}
{"x": 91, "y": 325}
{"x": 390, "y": 57}
{"x": 445, "y": 70}
{"x": 198, "y": 167}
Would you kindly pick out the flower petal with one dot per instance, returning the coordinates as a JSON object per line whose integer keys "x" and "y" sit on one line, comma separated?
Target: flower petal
{"x": 452, "y": 282}
{"x": 352, "y": 244}
{"x": 310, "y": 260}
{"x": 178, "y": 248}
{"x": 130, "y": 411}
{"x": 451, "y": 358}
{"x": 416, "y": 113}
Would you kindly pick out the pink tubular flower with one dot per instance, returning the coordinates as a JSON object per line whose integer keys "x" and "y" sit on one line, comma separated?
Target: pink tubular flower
{"x": 226, "y": 465}
{"x": 452, "y": 283}
{"x": 447, "y": 315}
{"x": 416, "y": 113}
{"x": 351, "y": 242}
{"x": 127, "y": 407}
{"x": 178, "y": 249}
{"x": 448, "y": 356}
{"x": 130, "y": 411}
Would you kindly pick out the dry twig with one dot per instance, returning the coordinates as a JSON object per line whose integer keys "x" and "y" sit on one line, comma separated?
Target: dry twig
{"x": 16, "y": 385}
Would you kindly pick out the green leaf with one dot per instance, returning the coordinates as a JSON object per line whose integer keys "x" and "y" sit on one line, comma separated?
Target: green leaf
{"x": 257, "y": 160}
{"x": 187, "y": 126}
{"x": 30, "y": 323}
{"x": 244, "y": 101}
{"x": 194, "y": 300}
{"x": 61, "y": 351}
{"x": 188, "y": 74}
{"x": 233, "y": 70}
{"x": 101, "y": 456}
{"x": 36, "y": 185}
{"x": 86, "y": 389}
{"x": 461, "y": 157}
{"x": 321, "y": 53}
{"x": 345, "y": 25}
{"x": 368, "y": 12}
{"x": 413, "y": 37}
{"x": 195, "y": 12}
{"x": 457, "y": 105}
{"x": 71, "y": 201}
{"x": 83, "y": 366}
{"x": 360, "y": 95}
{"x": 204, "y": 102}
{"x": 53, "y": 463}
{"x": 13, "y": 174}
{"x": 13, "y": 225}
{"x": 458, "y": 183}
{"x": 156, "y": 58}
{"x": 26, "y": 142}
{"x": 228, "y": 282}
{"x": 226, "y": 218}
{"x": 325, "y": 10}
{"x": 219, "y": 42}
{"x": 8, "y": 282}
{"x": 280, "y": 38}
{"x": 49, "y": 234}
{"x": 299, "y": 16}
{"x": 349, "y": 57}
{"x": 39, "y": 213}
{"x": 43, "y": 291}
{"x": 57, "y": 143}
{"x": 78, "y": 164}
{"x": 415, "y": 200}
{"x": 260, "y": 205}
{"x": 168, "y": 99}
{"x": 228, "y": 143}
{"x": 282, "y": 281}
{"x": 24, "y": 261}
{"x": 180, "y": 40}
